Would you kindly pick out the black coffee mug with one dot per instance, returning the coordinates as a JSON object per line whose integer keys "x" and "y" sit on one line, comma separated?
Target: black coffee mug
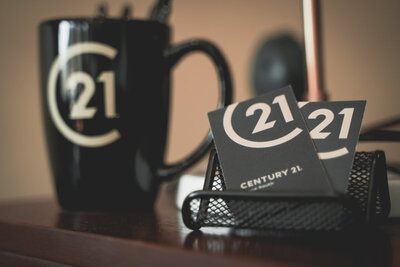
{"x": 105, "y": 98}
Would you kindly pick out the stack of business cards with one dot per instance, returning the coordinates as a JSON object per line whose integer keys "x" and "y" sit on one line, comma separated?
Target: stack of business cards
{"x": 273, "y": 143}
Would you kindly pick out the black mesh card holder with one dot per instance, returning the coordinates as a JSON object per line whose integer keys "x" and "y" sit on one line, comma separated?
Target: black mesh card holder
{"x": 366, "y": 202}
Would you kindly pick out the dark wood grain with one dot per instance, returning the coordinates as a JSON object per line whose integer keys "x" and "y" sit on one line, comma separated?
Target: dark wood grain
{"x": 41, "y": 233}
{"x": 12, "y": 259}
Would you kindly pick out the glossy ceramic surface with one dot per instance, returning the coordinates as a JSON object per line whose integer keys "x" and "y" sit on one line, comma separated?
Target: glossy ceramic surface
{"x": 105, "y": 98}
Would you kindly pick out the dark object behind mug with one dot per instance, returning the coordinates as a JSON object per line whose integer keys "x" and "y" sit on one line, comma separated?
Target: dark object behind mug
{"x": 279, "y": 62}
{"x": 105, "y": 97}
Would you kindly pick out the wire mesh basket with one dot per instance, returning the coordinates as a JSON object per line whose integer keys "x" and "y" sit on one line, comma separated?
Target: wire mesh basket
{"x": 366, "y": 202}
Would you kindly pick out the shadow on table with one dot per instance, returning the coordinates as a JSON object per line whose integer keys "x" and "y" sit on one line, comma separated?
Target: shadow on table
{"x": 138, "y": 225}
{"x": 366, "y": 247}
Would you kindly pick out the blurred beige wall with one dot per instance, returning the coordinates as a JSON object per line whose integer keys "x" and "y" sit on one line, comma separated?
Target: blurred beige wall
{"x": 361, "y": 42}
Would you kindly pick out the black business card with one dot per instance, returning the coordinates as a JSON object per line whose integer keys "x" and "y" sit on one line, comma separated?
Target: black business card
{"x": 335, "y": 129}
{"x": 264, "y": 144}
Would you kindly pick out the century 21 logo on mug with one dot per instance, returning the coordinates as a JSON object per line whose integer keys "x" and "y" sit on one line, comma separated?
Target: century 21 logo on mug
{"x": 79, "y": 109}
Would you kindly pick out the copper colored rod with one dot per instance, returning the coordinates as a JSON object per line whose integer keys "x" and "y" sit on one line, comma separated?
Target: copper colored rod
{"x": 312, "y": 31}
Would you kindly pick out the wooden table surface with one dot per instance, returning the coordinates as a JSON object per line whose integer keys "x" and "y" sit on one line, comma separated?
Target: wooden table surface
{"x": 41, "y": 233}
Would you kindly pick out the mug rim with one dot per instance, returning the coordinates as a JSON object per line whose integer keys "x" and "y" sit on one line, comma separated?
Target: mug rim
{"x": 98, "y": 19}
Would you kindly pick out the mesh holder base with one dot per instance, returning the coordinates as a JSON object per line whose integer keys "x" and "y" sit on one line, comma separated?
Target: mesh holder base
{"x": 366, "y": 202}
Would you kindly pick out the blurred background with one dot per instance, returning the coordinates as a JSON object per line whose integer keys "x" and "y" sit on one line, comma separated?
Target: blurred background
{"x": 360, "y": 50}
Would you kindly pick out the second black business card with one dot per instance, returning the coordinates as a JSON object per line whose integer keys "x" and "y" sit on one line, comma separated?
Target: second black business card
{"x": 264, "y": 144}
{"x": 335, "y": 129}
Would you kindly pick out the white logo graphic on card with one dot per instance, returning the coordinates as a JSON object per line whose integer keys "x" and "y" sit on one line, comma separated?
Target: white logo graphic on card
{"x": 262, "y": 125}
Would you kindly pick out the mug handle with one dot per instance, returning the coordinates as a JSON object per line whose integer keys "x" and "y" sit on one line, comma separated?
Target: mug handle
{"x": 173, "y": 56}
